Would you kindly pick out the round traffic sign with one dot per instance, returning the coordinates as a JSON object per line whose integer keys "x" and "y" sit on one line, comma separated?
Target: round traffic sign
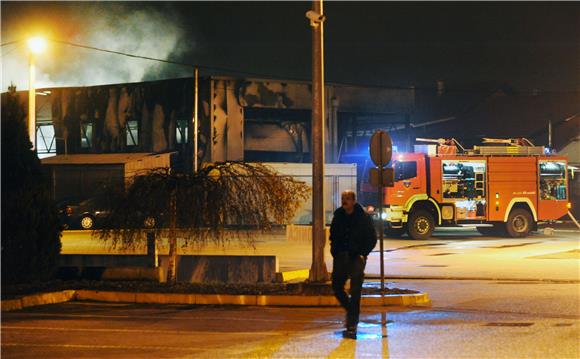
{"x": 381, "y": 148}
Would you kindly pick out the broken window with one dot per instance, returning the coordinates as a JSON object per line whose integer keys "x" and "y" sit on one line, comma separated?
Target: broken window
{"x": 552, "y": 180}
{"x": 276, "y": 135}
{"x": 132, "y": 133}
{"x": 45, "y": 139}
{"x": 86, "y": 135}
{"x": 181, "y": 131}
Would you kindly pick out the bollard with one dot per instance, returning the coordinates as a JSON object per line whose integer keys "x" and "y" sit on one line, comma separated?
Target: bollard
{"x": 152, "y": 253}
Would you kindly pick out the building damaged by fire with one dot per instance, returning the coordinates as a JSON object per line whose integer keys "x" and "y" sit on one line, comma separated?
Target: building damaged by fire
{"x": 239, "y": 119}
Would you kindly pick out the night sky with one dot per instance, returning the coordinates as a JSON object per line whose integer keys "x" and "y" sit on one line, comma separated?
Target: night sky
{"x": 525, "y": 45}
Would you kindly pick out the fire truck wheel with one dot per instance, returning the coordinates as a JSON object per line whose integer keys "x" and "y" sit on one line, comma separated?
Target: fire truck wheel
{"x": 420, "y": 225}
{"x": 519, "y": 223}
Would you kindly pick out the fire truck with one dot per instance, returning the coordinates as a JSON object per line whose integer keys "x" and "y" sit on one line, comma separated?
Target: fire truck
{"x": 505, "y": 186}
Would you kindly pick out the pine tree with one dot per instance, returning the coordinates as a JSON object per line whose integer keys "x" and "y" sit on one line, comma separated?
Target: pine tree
{"x": 30, "y": 225}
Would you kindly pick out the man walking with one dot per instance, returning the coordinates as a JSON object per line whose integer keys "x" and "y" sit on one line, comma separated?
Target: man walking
{"x": 352, "y": 238}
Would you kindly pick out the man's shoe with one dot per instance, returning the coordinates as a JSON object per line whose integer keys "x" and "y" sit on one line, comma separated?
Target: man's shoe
{"x": 349, "y": 333}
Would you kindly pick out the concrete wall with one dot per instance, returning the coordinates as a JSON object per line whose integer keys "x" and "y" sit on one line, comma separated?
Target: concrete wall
{"x": 190, "y": 268}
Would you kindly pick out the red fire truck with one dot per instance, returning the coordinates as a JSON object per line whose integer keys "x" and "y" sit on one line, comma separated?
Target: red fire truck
{"x": 503, "y": 186}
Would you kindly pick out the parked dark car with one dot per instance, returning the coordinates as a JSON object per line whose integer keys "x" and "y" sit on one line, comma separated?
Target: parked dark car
{"x": 79, "y": 213}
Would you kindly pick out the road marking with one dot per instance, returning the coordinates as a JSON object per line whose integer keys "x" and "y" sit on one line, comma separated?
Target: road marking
{"x": 512, "y": 245}
{"x": 508, "y": 324}
{"x": 92, "y": 346}
{"x": 16, "y": 314}
{"x": 495, "y": 312}
{"x": 144, "y": 331}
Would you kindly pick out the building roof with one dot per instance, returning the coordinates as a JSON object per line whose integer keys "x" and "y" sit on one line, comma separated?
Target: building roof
{"x": 99, "y": 158}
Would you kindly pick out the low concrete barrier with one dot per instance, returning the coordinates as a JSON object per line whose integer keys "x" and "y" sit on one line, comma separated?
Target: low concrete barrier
{"x": 190, "y": 268}
{"x": 225, "y": 269}
{"x": 298, "y": 232}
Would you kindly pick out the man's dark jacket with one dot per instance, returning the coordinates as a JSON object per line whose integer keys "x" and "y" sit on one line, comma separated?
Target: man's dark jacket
{"x": 354, "y": 233}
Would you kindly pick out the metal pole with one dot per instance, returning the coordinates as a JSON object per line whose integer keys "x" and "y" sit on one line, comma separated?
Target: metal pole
{"x": 408, "y": 131}
{"x": 195, "y": 110}
{"x": 550, "y": 134}
{"x": 381, "y": 228}
{"x": 318, "y": 272}
{"x": 32, "y": 101}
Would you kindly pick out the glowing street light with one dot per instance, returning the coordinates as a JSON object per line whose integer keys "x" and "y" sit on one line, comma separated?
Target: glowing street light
{"x": 36, "y": 45}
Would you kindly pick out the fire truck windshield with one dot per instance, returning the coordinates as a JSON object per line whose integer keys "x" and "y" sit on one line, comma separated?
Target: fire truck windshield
{"x": 405, "y": 170}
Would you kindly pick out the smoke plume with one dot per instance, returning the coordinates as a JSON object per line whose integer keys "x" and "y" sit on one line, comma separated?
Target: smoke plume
{"x": 136, "y": 28}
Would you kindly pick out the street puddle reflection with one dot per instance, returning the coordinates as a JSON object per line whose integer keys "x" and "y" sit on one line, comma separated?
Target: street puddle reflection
{"x": 371, "y": 342}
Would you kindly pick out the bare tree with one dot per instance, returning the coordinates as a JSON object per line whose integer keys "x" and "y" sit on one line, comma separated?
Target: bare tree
{"x": 199, "y": 207}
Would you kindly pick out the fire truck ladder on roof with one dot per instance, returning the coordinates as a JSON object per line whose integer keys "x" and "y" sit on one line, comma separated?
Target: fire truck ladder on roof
{"x": 511, "y": 147}
{"x": 442, "y": 142}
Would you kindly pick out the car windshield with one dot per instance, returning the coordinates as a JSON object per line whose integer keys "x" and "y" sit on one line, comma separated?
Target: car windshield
{"x": 95, "y": 202}
{"x": 405, "y": 170}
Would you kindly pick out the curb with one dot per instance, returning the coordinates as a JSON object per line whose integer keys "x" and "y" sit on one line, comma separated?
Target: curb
{"x": 392, "y": 278}
{"x": 418, "y": 299}
{"x": 38, "y": 299}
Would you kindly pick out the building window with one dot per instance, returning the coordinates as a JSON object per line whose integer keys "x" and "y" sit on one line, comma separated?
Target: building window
{"x": 45, "y": 141}
{"x": 86, "y": 135}
{"x": 553, "y": 180}
{"x": 276, "y": 135}
{"x": 181, "y": 131}
{"x": 132, "y": 133}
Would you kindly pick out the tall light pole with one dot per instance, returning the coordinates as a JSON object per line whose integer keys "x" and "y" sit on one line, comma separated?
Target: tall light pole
{"x": 195, "y": 112}
{"x": 36, "y": 45}
{"x": 318, "y": 271}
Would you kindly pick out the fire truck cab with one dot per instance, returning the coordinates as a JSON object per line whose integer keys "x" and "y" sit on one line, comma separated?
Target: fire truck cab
{"x": 499, "y": 189}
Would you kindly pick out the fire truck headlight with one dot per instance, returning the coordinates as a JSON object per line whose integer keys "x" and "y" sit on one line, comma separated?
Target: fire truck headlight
{"x": 383, "y": 215}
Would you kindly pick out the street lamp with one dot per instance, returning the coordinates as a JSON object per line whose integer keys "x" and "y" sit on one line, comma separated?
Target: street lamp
{"x": 36, "y": 45}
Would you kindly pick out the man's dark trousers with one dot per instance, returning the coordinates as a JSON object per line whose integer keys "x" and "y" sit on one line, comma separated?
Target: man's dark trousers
{"x": 345, "y": 266}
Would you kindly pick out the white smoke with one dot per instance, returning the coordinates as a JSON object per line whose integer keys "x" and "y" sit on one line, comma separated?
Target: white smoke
{"x": 145, "y": 31}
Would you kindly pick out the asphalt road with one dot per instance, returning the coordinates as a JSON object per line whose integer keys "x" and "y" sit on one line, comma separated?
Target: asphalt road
{"x": 469, "y": 319}
{"x": 526, "y": 304}
{"x": 450, "y": 254}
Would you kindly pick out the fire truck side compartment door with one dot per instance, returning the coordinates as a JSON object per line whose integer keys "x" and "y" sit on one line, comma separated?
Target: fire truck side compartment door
{"x": 509, "y": 178}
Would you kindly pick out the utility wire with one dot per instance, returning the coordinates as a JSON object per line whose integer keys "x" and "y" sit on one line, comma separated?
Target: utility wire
{"x": 11, "y": 42}
{"x": 5, "y": 53}
{"x": 271, "y": 76}
{"x": 123, "y": 53}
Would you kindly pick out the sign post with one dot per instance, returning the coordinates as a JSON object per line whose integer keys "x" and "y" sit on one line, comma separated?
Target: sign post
{"x": 381, "y": 148}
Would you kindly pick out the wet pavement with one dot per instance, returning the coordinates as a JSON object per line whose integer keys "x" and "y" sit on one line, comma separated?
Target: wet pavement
{"x": 452, "y": 253}
{"x": 469, "y": 319}
{"x": 525, "y": 304}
